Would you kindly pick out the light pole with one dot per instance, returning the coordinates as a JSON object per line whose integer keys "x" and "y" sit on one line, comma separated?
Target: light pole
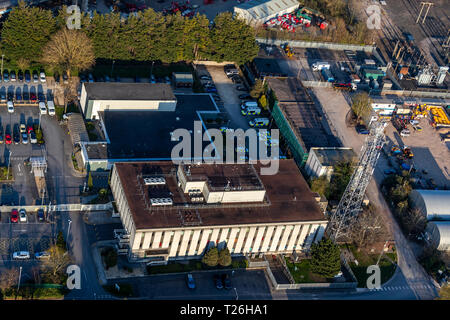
{"x": 20, "y": 275}
{"x": 67, "y": 237}
{"x": 151, "y": 71}
{"x": 112, "y": 67}
{"x": 235, "y": 291}
{"x": 2, "y": 63}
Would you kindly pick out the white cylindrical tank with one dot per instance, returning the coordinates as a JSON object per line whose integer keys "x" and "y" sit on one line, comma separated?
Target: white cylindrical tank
{"x": 439, "y": 234}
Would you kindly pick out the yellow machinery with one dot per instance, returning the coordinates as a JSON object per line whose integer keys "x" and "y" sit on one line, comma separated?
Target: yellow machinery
{"x": 288, "y": 51}
{"x": 439, "y": 116}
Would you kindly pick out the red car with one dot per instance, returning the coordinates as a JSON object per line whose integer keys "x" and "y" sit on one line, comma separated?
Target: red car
{"x": 8, "y": 139}
{"x": 14, "y": 216}
{"x": 29, "y": 129}
{"x": 33, "y": 97}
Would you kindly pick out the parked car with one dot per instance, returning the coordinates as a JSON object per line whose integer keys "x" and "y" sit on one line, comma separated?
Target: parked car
{"x": 10, "y": 106}
{"x": 41, "y": 97}
{"x": 24, "y": 138}
{"x": 167, "y": 80}
{"x": 57, "y": 77}
{"x": 22, "y": 255}
{"x": 42, "y": 76}
{"x": 40, "y": 214}
{"x": 190, "y": 281}
{"x": 51, "y": 107}
{"x": 26, "y": 96}
{"x": 226, "y": 281}
{"x": 42, "y": 108}
{"x": 33, "y": 97}
{"x": 389, "y": 171}
{"x": 27, "y": 76}
{"x": 218, "y": 282}
{"x": 42, "y": 255}
{"x": 236, "y": 79}
{"x": 5, "y": 75}
{"x": 3, "y": 95}
{"x": 22, "y": 215}
{"x": 18, "y": 96}
{"x": 35, "y": 76}
{"x": 33, "y": 138}
{"x": 8, "y": 139}
{"x": 13, "y": 76}
{"x": 204, "y": 77}
{"x": 22, "y": 128}
{"x": 20, "y": 75}
{"x": 14, "y": 216}
{"x": 16, "y": 134}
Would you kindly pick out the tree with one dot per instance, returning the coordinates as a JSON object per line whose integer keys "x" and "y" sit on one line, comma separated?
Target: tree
{"x": 414, "y": 222}
{"x": 361, "y": 106}
{"x": 342, "y": 173}
{"x": 257, "y": 90}
{"x": 211, "y": 257}
{"x": 60, "y": 242}
{"x": 56, "y": 264}
{"x": 69, "y": 50}
{"x": 325, "y": 258}
{"x": 263, "y": 101}
{"x": 444, "y": 293}
{"x": 224, "y": 257}
{"x": 110, "y": 257}
{"x": 321, "y": 185}
{"x": 9, "y": 278}
{"x": 26, "y": 31}
{"x": 368, "y": 228}
{"x": 232, "y": 40}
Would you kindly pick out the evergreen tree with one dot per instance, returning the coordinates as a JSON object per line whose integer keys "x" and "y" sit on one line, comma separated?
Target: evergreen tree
{"x": 232, "y": 40}
{"x": 325, "y": 258}
{"x": 26, "y": 31}
{"x": 211, "y": 257}
{"x": 224, "y": 257}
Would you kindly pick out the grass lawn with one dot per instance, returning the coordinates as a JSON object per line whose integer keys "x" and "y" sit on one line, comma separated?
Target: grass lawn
{"x": 4, "y": 173}
{"x": 365, "y": 259}
{"x": 301, "y": 272}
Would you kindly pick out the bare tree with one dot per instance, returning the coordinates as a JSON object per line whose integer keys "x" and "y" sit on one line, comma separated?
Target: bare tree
{"x": 368, "y": 228}
{"x": 414, "y": 222}
{"x": 69, "y": 50}
{"x": 9, "y": 278}
{"x": 57, "y": 262}
{"x": 361, "y": 105}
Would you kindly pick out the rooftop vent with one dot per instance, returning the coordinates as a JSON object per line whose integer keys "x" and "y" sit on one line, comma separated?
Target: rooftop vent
{"x": 161, "y": 201}
{"x": 154, "y": 181}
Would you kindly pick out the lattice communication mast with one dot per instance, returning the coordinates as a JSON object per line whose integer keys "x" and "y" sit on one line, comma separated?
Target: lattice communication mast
{"x": 350, "y": 205}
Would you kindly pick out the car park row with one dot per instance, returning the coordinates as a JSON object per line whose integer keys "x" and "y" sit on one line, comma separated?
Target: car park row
{"x": 21, "y": 76}
{"x": 21, "y": 216}
{"x": 20, "y": 134}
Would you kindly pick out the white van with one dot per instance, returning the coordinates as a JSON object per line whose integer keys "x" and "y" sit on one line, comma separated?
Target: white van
{"x": 10, "y": 106}
{"x": 316, "y": 66}
{"x": 42, "y": 108}
{"x": 259, "y": 122}
{"x": 51, "y": 108}
{"x": 249, "y": 104}
{"x": 251, "y": 111}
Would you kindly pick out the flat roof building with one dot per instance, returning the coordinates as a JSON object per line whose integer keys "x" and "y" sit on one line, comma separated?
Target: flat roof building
{"x": 182, "y": 79}
{"x": 145, "y": 135}
{"x": 321, "y": 161}
{"x": 103, "y": 96}
{"x": 177, "y": 211}
{"x": 297, "y": 118}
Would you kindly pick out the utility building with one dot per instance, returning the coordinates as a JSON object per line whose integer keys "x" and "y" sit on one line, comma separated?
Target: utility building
{"x": 110, "y": 96}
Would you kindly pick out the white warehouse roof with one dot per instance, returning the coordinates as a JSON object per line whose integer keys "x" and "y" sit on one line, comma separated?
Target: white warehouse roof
{"x": 263, "y": 9}
{"x": 439, "y": 232}
{"x": 433, "y": 203}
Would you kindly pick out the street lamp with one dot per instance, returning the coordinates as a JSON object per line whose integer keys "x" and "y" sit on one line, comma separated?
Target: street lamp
{"x": 235, "y": 291}
{"x": 112, "y": 68}
{"x": 67, "y": 237}
{"x": 2, "y": 62}
{"x": 20, "y": 275}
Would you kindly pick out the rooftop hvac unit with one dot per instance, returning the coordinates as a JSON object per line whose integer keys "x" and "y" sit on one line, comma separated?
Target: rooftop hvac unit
{"x": 154, "y": 181}
{"x": 161, "y": 202}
